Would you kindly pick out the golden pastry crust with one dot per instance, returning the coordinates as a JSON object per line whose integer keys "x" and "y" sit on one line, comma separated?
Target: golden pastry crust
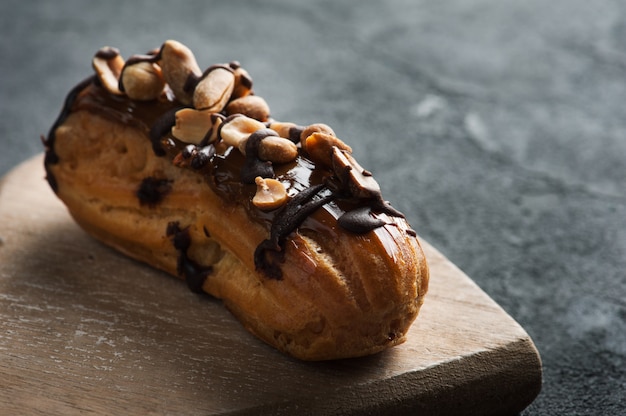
{"x": 316, "y": 291}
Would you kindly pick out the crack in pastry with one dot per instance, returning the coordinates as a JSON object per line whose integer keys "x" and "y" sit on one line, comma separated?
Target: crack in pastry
{"x": 186, "y": 171}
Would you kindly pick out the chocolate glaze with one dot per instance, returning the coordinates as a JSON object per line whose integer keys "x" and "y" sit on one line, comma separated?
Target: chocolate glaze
{"x": 320, "y": 196}
{"x": 51, "y": 156}
{"x": 142, "y": 115}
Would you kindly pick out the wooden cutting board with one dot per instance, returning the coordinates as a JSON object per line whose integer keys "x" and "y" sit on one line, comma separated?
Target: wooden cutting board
{"x": 85, "y": 330}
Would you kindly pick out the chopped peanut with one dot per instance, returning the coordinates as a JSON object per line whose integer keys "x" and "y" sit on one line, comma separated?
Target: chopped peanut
{"x": 192, "y": 125}
{"x": 252, "y": 106}
{"x": 214, "y": 89}
{"x": 320, "y": 145}
{"x": 178, "y": 64}
{"x": 270, "y": 194}
{"x": 108, "y": 64}
{"x": 143, "y": 81}
{"x": 277, "y": 149}
{"x": 314, "y": 128}
{"x": 237, "y": 128}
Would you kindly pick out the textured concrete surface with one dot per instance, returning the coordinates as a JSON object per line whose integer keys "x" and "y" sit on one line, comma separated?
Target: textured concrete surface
{"x": 498, "y": 127}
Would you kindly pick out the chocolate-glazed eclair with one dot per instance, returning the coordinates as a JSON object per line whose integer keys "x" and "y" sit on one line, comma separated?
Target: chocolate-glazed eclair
{"x": 186, "y": 171}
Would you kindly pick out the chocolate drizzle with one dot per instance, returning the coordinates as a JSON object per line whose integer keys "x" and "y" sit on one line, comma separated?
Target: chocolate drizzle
{"x": 202, "y": 157}
{"x": 161, "y": 128}
{"x": 191, "y": 82}
{"x": 295, "y": 133}
{"x": 108, "y": 52}
{"x": 254, "y": 166}
{"x": 271, "y": 251}
{"x": 228, "y": 68}
{"x": 194, "y": 273}
{"x": 360, "y": 220}
{"x": 245, "y": 79}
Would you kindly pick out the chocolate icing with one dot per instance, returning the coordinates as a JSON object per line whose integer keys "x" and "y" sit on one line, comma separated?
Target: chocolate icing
{"x": 51, "y": 156}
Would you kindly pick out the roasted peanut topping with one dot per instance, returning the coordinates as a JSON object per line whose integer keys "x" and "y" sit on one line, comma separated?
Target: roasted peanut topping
{"x": 108, "y": 64}
{"x": 320, "y": 146}
{"x": 214, "y": 112}
{"x": 314, "y": 128}
{"x": 252, "y": 106}
{"x": 236, "y": 129}
{"x": 214, "y": 89}
{"x": 142, "y": 80}
{"x": 287, "y": 130}
{"x": 277, "y": 149}
{"x": 180, "y": 69}
{"x": 270, "y": 194}
{"x": 243, "y": 81}
{"x": 192, "y": 126}
{"x": 359, "y": 181}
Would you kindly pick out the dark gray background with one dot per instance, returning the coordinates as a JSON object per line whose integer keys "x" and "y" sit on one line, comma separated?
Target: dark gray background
{"x": 498, "y": 127}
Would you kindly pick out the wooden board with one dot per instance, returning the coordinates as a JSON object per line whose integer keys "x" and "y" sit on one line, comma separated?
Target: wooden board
{"x": 86, "y": 330}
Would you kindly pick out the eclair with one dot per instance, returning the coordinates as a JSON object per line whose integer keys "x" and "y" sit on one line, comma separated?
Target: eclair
{"x": 186, "y": 170}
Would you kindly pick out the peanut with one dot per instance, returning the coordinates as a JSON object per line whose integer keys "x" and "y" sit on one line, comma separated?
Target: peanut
{"x": 108, "y": 64}
{"x": 313, "y": 128}
{"x": 214, "y": 89}
{"x": 192, "y": 125}
{"x": 277, "y": 150}
{"x": 243, "y": 81}
{"x": 319, "y": 147}
{"x": 179, "y": 65}
{"x": 251, "y": 105}
{"x": 270, "y": 194}
{"x": 236, "y": 129}
{"x": 287, "y": 130}
{"x": 142, "y": 81}
{"x": 360, "y": 182}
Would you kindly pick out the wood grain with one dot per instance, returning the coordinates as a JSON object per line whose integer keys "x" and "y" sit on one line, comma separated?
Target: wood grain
{"x": 86, "y": 330}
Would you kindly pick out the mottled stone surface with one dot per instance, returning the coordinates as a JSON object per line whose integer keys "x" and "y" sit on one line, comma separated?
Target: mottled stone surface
{"x": 498, "y": 127}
